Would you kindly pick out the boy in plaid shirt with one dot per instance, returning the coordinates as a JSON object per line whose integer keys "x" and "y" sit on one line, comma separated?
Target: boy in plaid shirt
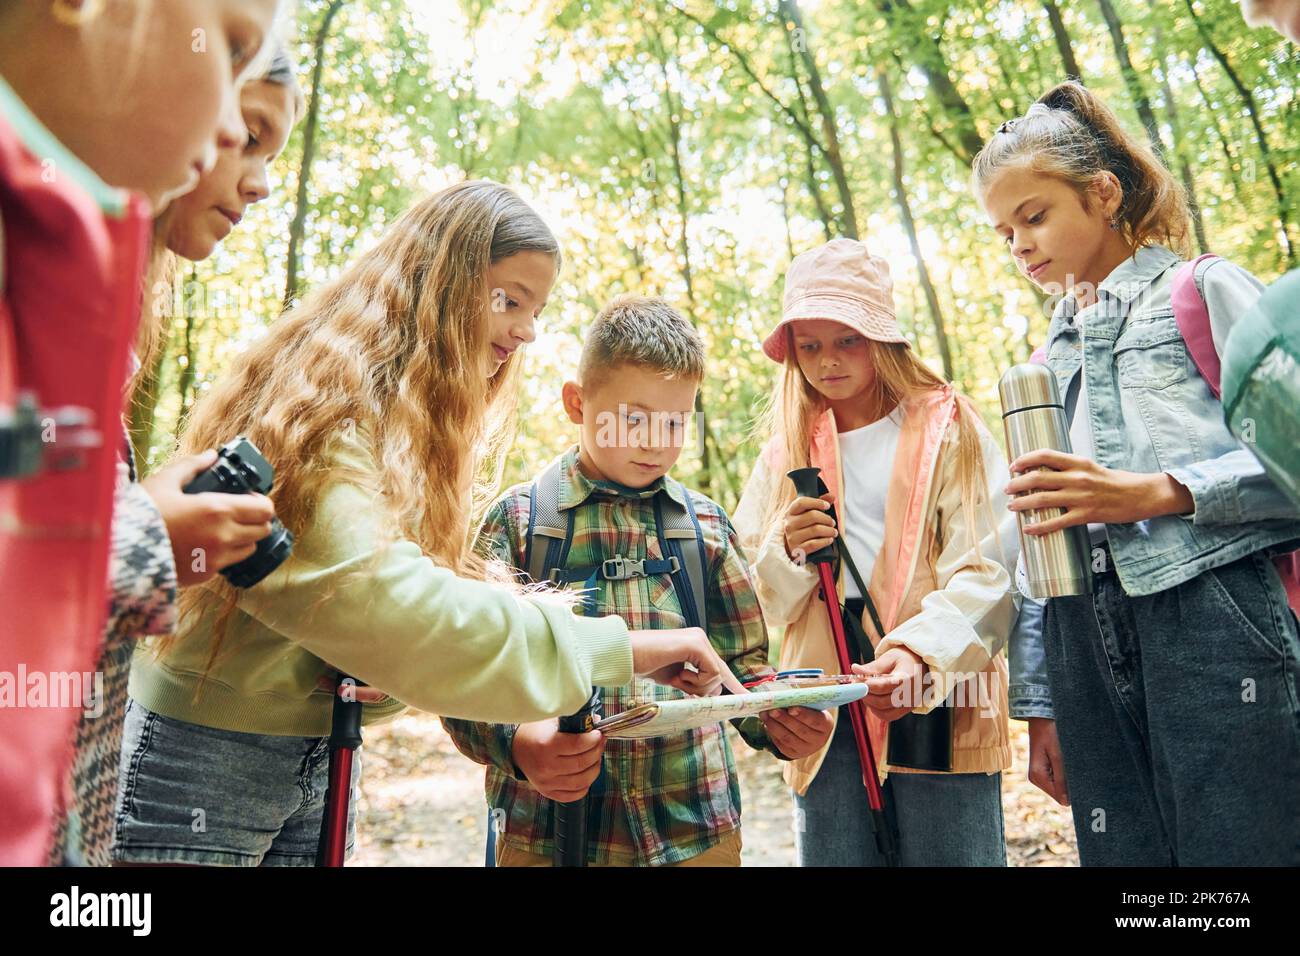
{"x": 662, "y": 800}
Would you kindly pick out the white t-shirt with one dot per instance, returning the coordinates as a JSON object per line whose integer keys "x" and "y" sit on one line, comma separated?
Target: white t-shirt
{"x": 867, "y": 457}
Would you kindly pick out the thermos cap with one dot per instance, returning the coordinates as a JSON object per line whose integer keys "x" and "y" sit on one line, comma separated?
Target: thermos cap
{"x": 1028, "y": 385}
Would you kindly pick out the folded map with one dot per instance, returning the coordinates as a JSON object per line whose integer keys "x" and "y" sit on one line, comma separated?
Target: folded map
{"x": 676, "y": 716}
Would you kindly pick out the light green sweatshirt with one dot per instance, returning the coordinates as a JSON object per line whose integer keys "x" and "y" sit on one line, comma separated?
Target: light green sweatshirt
{"x": 430, "y": 639}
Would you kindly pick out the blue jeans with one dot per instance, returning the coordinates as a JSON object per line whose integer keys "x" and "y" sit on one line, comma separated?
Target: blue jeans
{"x": 1178, "y": 719}
{"x": 943, "y": 819}
{"x": 202, "y": 796}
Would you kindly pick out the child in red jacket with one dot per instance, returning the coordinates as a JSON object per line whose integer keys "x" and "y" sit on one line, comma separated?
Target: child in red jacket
{"x": 88, "y": 152}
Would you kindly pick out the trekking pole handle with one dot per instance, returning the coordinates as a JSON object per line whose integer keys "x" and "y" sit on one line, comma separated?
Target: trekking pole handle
{"x": 345, "y": 725}
{"x": 571, "y": 818}
{"x": 584, "y": 719}
{"x": 808, "y": 484}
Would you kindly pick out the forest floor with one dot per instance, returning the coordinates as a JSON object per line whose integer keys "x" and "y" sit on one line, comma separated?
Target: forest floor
{"x": 422, "y": 804}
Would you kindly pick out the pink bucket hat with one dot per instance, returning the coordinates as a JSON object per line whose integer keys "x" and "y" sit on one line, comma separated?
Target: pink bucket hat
{"x": 842, "y": 282}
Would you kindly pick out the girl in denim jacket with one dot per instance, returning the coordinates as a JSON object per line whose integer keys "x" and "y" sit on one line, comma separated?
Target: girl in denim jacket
{"x": 1168, "y": 696}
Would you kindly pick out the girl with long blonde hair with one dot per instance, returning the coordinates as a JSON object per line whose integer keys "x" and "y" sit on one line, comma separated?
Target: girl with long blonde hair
{"x": 913, "y": 476}
{"x": 384, "y": 401}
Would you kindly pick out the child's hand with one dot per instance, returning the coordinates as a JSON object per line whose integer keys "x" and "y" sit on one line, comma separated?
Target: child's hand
{"x": 1090, "y": 493}
{"x": 896, "y": 667}
{"x": 1046, "y": 768}
{"x": 798, "y": 731}
{"x": 808, "y": 528}
{"x": 223, "y": 529}
{"x": 559, "y": 766}
{"x": 363, "y": 693}
{"x": 663, "y": 655}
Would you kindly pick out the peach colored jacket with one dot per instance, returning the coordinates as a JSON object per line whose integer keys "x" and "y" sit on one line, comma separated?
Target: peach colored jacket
{"x": 932, "y": 595}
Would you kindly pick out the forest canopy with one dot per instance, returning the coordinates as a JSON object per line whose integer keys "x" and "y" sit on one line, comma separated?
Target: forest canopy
{"x": 691, "y": 149}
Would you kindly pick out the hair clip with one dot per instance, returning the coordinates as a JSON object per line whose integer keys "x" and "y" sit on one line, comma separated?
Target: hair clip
{"x": 1008, "y": 125}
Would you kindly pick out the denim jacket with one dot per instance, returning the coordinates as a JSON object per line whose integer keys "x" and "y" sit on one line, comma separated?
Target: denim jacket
{"x": 1151, "y": 411}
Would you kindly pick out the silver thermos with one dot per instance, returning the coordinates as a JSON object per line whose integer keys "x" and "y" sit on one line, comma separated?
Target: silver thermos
{"x": 1056, "y": 564}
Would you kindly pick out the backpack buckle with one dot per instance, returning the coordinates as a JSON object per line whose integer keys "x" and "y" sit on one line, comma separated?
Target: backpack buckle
{"x": 623, "y": 568}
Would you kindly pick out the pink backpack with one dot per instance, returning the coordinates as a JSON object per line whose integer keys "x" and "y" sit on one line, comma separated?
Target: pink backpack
{"x": 1193, "y": 318}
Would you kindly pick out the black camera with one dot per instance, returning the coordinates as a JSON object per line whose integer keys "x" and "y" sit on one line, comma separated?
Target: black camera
{"x": 240, "y": 469}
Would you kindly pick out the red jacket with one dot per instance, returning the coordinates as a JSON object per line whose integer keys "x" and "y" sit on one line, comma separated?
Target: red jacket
{"x": 73, "y": 255}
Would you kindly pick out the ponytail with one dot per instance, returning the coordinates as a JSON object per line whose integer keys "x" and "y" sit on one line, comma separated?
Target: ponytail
{"x": 1071, "y": 134}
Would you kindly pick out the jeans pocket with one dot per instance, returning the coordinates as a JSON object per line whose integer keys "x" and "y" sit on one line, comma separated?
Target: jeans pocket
{"x": 1245, "y": 594}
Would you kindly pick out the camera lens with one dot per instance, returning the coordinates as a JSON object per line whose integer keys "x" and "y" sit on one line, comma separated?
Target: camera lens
{"x": 270, "y": 554}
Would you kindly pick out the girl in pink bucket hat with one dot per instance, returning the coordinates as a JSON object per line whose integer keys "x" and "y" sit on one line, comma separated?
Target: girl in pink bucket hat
{"x": 915, "y": 480}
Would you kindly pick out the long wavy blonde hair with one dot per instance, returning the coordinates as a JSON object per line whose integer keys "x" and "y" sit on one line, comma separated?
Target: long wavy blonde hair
{"x": 393, "y": 349}
{"x": 795, "y": 404}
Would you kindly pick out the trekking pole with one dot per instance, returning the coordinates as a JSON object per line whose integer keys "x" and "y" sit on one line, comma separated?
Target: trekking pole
{"x": 345, "y": 738}
{"x": 808, "y": 484}
{"x": 571, "y": 818}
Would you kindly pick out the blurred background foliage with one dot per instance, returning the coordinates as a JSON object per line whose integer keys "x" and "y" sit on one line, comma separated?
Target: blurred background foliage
{"x": 691, "y": 149}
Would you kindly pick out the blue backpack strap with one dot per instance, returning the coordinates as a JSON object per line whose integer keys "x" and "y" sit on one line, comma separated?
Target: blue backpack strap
{"x": 676, "y": 525}
{"x": 544, "y": 521}
{"x": 535, "y": 571}
{"x": 532, "y": 524}
{"x": 546, "y": 563}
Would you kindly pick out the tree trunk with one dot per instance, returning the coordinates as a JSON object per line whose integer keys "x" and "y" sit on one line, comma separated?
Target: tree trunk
{"x": 909, "y": 225}
{"x": 799, "y": 120}
{"x": 931, "y": 61}
{"x": 299, "y": 223}
{"x": 830, "y": 133}
{"x": 1180, "y": 148}
{"x": 1131, "y": 80}
{"x": 1224, "y": 137}
{"x": 1185, "y": 171}
{"x": 801, "y": 124}
{"x": 785, "y": 216}
{"x": 829, "y": 225}
{"x": 1253, "y": 112}
{"x": 185, "y": 380}
{"x": 144, "y": 404}
{"x": 673, "y": 110}
{"x": 1062, "y": 37}
{"x": 1013, "y": 74}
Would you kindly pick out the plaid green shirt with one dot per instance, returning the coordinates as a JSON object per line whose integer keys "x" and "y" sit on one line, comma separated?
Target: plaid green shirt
{"x": 659, "y": 800}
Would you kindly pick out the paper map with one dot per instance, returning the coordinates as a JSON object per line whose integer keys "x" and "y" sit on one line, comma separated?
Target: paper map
{"x": 675, "y": 716}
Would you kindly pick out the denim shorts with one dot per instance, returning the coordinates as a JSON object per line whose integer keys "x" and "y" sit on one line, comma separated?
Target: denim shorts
{"x": 197, "y": 795}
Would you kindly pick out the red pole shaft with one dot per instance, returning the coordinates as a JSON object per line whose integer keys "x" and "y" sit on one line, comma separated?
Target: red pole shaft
{"x": 857, "y": 710}
{"x": 336, "y": 806}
